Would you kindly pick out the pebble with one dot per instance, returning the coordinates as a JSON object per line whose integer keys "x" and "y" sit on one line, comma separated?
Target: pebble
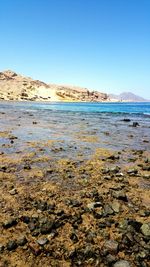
{"x": 12, "y": 245}
{"x": 111, "y": 246}
{"x": 9, "y": 223}
{"x": 13, "y": 191}
{"x": 42, "y": 241}
{"x": 35, "y": 248}
{"x": 122, "y": 263}
{"x": 145, "y": 228}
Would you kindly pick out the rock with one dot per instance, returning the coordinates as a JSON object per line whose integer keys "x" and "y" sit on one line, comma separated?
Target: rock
{"x": 132, "y": 171}
{"x": 113, "y": 157}
{"x": 12, "y": 245}
{"x": 111, "y": 246}
{"x": 9, "y": 223}
{"x": 74, "y": 237}
{"x": 35, "y": 248}
{"x": 135, "y": 224}
{"x": 115, "y": 206}
{"x": 42, "y": 241}
{"x": 22, "y": 241}
{"x": 120, "y": 195}
{"x": 94, "y": 205}
{"x": 13, "y": 191}
{"x": 126, "y": 120}
{"x": 46, "y": 227}
{"x": 135, "y": 124}
{"x": 27, "y": 166}
{"x": 108, "y": 210}
{"x": 146, "y": 168}
{"x": 122, "y": 263}
{"x": 145, "y": 229}
{"x": 1, "y": 248}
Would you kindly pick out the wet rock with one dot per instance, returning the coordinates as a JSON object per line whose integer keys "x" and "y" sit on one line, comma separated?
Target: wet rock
{"x": 12, "y": 245}
{"x": 22, "y": 241}
{"x": 111, "y": 246}
{"x": 9, "y": 223}
{"x": 145, "y": 229}
{"x": 126, "y": 120}
{"x": 42, "y": 241}
{"x": 122, "y": 263}
{"x": 135, "y": 124}
{"x": 35, "y": 248}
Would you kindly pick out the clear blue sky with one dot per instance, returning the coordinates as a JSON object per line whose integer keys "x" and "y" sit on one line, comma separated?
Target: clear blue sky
{"x": 100, "y": 44}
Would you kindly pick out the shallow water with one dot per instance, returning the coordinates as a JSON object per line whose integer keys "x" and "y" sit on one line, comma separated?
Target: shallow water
{"x": 76, "y": 128}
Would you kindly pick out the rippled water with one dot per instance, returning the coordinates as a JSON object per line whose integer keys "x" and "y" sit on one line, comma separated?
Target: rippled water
{"x": 79, "y": 125}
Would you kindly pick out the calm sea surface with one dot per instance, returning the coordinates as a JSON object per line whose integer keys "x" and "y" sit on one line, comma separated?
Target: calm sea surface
{"x": 128, "y": 108}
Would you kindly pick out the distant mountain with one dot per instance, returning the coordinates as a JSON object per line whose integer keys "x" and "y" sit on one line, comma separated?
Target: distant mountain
{"x": 127, "y": 97}
{"x": 14, "y": 86}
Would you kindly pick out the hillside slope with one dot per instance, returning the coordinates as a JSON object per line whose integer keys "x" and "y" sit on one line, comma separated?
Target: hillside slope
{"x": 16, "y": 87}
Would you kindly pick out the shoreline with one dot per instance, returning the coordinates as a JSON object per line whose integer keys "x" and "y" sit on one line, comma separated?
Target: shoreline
{"x": 74, "y": 190}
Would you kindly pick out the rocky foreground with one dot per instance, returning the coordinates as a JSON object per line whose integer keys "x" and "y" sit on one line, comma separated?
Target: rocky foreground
{"x": 19, "y": 88}
{"x": 67, "y": 212}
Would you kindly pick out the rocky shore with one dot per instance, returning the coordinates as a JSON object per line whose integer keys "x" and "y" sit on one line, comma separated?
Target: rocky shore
{"x": 61, "y": 207}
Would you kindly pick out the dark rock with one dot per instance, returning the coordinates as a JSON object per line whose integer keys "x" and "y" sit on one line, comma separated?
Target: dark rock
{"x": 146, "y": 168}
{"x": 120, "y": 195}
{"x": 27, "y": 166}
{"x": 1, "y": 248}
{"x": 126, "y": 120}
{"x": 22, "y": 241}
{"x": 135, "y": 224}
{"x": 132, "y": 171}
{"x": 135, "y": 124}
{"x": 46, "y": 227}
{"x": 25, "y": 219}
{"x": 74, "y": 237}
{"x": 9, "y": 223}
{"x": 12, "y": 245}
{"x": 122, "y": 263}
{"x": 113, "y": 157}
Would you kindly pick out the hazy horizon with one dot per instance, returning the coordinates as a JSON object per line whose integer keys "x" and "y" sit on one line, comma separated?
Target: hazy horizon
{"x": 102, "y": 45}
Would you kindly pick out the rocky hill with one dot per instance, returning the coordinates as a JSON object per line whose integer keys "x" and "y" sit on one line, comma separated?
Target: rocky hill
{"x": 16, "y": 87}
{"x": 127, "y": 97}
